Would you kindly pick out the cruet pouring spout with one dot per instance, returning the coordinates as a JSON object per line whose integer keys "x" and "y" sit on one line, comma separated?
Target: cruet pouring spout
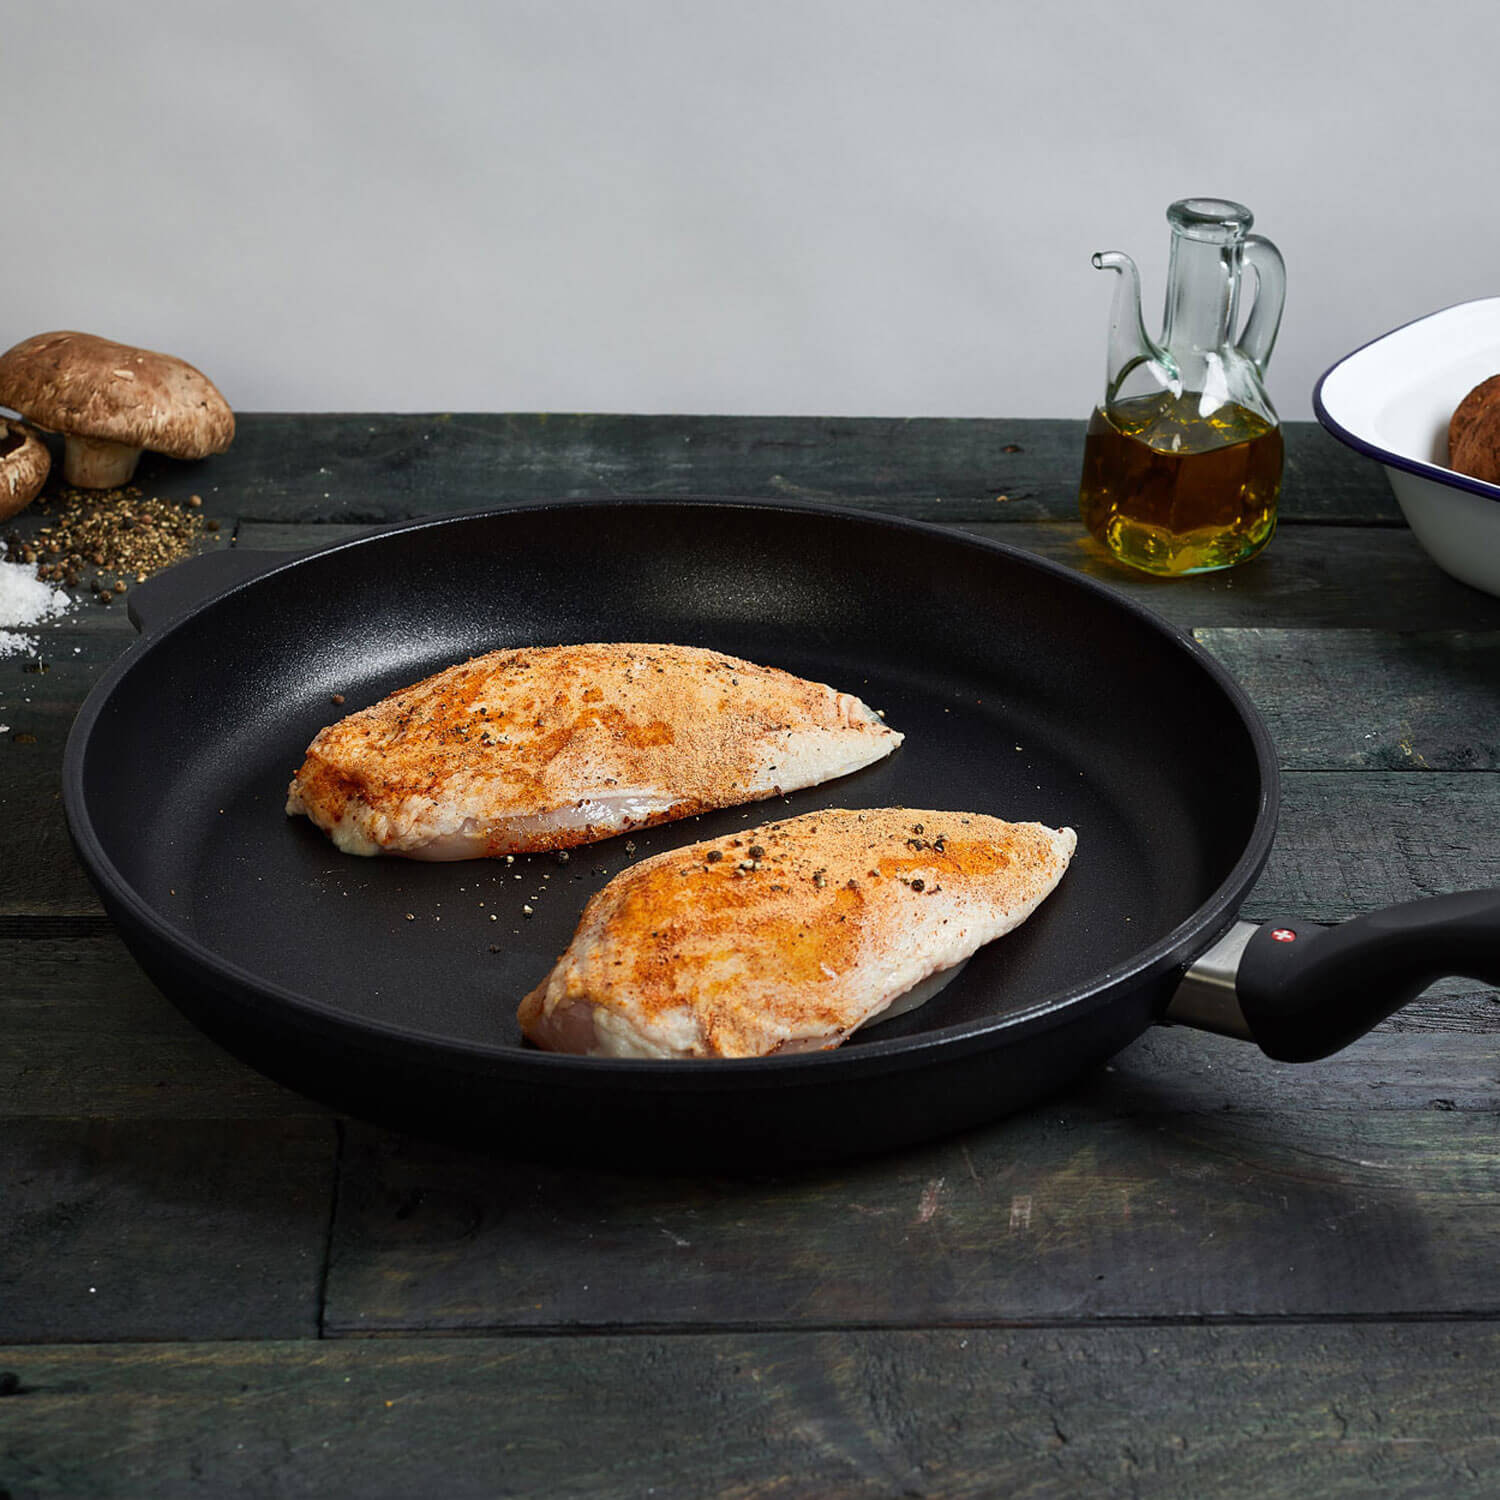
{"x": 1130, "y": 346}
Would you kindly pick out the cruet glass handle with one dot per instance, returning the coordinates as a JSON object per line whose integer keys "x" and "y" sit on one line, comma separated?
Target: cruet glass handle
{"x": 1270, "y": 296}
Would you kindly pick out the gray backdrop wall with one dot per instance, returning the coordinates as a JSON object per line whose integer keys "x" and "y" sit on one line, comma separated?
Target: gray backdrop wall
{"x": 777, "y": 206}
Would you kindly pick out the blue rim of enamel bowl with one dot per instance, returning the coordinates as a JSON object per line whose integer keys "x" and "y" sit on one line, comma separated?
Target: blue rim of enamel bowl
{"x": 1420, "y": 467}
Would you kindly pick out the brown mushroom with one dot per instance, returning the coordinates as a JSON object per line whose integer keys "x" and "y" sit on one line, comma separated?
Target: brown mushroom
{"x": 24, "y": 462}
{"x": 1477, "y": 452}
{"x": 1468, "y": 412}
{"x": 109, "y": 401}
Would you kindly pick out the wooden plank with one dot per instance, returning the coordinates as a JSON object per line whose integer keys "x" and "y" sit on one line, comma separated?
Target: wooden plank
{"x": 40, "y": 691}
{"x": 1061, "y": 1214}
{"x": 87, "y": 617}
{"x": 356, "y": 466}
{"x": 42, "y": 878}
{"x": 1310, "y": 576}
{"x": 1170, "y": 1412}
{"x": 1448, "y": 1060}
{"x": 1371, "y": 699}
{"x": 38, "y": 707}
{"x": 202, "y": 1229}
{"x": 1348, "y": 844}
{"x": 83, "y": 1032}
{"x": 1325, "y": 481}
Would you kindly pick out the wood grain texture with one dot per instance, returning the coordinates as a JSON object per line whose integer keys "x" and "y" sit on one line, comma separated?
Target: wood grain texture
{"x": 1348, "y": 844}
{"x": 1371, "y": 699}
{"x": 1063, "y": 1214}
{"x": 1157, "y": 1230}
{"x": 1309, "y": 576}
{"x": 1181, "y": 1413}
{"x": 201, "y": 1229}
{"x": 43, "y": 878}
{"x": 39, "y": 697}
{"x": 356, "y": 466}
{"x": 86, "y": 1034}
{"x": 1438, "y": 1055}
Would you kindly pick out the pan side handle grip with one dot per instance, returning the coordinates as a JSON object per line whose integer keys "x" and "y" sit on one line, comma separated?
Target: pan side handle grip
{"x": 1306, "y": 991}
{"x": 194, "y": 581}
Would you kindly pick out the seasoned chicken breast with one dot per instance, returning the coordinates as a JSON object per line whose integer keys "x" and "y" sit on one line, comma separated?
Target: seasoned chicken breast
{"x": 548, "y": 747}
{"x": 788, "y": 937}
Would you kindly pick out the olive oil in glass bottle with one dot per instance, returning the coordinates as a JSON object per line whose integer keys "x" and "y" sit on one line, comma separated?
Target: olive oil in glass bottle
{"x": 1182, "y": 461}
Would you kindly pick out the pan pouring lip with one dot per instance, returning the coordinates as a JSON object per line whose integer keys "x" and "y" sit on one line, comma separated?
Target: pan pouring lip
{"x": 1018, "y": 686}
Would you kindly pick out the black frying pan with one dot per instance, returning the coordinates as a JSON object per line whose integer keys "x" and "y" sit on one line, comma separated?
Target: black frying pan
{"x": 389, "y": 988}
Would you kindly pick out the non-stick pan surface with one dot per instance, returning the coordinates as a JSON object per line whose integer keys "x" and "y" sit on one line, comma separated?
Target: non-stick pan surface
{"x": 390, "y": 987}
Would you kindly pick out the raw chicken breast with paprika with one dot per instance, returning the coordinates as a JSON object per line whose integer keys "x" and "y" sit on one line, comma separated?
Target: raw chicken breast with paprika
{"x": 788, "y": 937}
{"x": 548, "y": 747}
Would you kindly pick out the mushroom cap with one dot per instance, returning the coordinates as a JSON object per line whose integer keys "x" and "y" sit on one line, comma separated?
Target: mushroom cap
{"x": 24, "y": 463}
{"x": 1477, "y": 451}
{"x": 1469, "y": 411}
{"x": 86, "y": 386}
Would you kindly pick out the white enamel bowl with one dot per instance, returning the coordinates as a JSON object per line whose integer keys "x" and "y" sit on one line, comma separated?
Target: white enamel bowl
{"x": 1392, "y": 400}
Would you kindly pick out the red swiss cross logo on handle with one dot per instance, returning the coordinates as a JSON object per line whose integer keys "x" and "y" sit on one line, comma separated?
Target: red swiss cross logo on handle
{"x": 1284, "y": 935}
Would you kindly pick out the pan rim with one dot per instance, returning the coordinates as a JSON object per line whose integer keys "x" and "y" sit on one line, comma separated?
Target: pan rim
{"x": 1173, "y": 950}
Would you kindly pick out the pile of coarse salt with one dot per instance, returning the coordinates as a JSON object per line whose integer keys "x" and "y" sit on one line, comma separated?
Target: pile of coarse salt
{"x": 25, "y": 600}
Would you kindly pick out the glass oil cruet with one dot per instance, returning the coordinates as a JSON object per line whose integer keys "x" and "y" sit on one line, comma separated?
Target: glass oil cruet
{"x": 1182, "y": 461}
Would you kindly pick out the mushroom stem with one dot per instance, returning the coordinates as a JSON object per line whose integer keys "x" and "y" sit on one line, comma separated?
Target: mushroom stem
{"x": 97, "y": 464}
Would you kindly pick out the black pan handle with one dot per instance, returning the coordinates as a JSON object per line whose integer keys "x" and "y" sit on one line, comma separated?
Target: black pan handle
{"x": 194, "y": 581}
{"x": 1308, "y": 991}
{"x": 1302, "y": 991}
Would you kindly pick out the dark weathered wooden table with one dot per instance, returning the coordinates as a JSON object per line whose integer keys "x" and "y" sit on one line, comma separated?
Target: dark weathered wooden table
{"x": 1197, "y": 1272}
